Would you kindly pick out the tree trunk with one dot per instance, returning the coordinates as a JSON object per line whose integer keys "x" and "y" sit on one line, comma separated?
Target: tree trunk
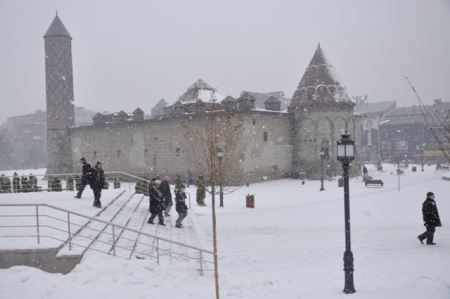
{"x": 216, "y": 266}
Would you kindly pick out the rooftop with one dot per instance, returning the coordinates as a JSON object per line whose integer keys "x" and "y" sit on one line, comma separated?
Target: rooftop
{"x": 57, "y": 28}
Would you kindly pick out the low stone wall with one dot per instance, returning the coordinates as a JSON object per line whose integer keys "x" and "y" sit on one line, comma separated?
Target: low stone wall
{"x": 44, "y": 259}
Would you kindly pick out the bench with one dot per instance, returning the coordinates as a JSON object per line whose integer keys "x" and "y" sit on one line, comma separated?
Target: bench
{"x": 442, "y": 166}
{"x": 374, "y": 183}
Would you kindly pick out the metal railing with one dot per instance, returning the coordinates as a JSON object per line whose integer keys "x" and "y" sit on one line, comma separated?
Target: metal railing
{"x": 116, "y": 233}
{"x": 122, "y": 176}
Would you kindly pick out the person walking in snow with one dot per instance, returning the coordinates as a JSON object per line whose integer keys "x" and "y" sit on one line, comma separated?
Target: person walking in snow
{"x": 97, "y": 181}
{"x": 167, "y": 195}
{"x": 181, "y": 207}
{"x": 431, "y": 219}
{"x": 85, "y": 176}
{"x": 156, "y": 203}
{"x": 365, "y": 173}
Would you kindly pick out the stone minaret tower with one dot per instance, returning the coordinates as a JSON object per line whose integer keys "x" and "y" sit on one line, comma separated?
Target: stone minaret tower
{"x": 59, "y": 94}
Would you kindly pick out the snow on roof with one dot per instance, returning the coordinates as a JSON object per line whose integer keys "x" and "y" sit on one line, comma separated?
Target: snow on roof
{"x": 320, "y": 82}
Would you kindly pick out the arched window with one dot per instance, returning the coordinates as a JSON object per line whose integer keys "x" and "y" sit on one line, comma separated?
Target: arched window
{"x": 95, "y": 155}
{"x": 118, "y": 153}
{"x": 146, "y": 153}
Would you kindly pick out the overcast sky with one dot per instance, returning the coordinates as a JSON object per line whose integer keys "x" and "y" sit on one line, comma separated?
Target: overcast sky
{"x": 129, "y": 54}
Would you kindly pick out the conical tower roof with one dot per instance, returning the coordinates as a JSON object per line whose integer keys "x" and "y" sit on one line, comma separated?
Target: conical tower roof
{"x": 320, "y": 83}
{"x": 57, "y": 28}
{"x": 200, "y": 90}
{"x": 200, "y": 84}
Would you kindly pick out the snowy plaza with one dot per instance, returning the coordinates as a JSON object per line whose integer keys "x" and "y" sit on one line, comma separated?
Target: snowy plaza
{"x": 289, "y": 246}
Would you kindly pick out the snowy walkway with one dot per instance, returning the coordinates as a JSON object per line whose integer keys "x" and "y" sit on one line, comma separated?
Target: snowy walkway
{"x": 289, "y": 246}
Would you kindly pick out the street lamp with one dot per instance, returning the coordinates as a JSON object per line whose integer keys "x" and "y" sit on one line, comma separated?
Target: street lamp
{"x": 423, "y": 149}
{"x": 323, "y": 154}
{"x": 154, "y": 163}
{"x": 346, "y": 154}
{"x": 220, "y": 155}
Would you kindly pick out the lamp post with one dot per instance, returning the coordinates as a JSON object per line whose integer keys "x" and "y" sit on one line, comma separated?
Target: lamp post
{"x": 154, "y": 163}
{"x": 220, "y": 155}
{"x": 346, "y": 154}
{"x": 423, "y": 149}
{"x": 323, "y": 154}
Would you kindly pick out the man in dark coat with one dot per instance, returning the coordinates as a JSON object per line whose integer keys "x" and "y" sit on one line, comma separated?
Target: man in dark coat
{"x": 365, "y": 173}
{"x": 167, "y": 195}
{"x": 156, "y": 203}
{"x": 85, "y": 176}
{"x": 97, "y": 181}
{"x": 181, "y": 207}
{"x": 431, "y": 219}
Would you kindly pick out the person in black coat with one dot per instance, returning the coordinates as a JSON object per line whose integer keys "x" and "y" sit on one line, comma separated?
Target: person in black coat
{"x": 431, "y": 219}
{"x": 167, "y": 195}
{"x": 365, "y": 173}
{"x": 181, "y": 207}
{"x": 97, "y": 181}
{"x": 85, "y": 176}
{"x": 156, "y": 203}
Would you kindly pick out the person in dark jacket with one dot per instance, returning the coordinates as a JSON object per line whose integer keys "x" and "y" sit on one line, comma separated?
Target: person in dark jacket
{"x": 85, "y": 176}
{"x": 156, "y": 203}
{"x": 97, "y": 181}
{"x": 181, "y": 207}
{"x": 431, "y": 219}
{"x": 167, "y": 195}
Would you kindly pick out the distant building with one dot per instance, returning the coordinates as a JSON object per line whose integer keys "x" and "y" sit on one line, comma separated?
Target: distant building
{"x": 405, "y": 130}
{"x": 28, "y": 137}
{"x": 371, "y": 113}
{"x": 83, "y": 117}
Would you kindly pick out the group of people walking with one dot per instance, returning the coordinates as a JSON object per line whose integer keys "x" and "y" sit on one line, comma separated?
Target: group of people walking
{"x": 161, "y": 201}
{"x": 95, "y": 178}
{"x": 159, "y": 193}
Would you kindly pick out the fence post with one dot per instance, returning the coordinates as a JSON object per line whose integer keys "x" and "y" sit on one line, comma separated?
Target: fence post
{"x": 201, "y": 263}
{"x": 189, "y": 200}
{"x": 157, "y": 250}
{"x": 37, "y": 224}
{"x": 68, "y": 223}
{"x": 114, "y": 242}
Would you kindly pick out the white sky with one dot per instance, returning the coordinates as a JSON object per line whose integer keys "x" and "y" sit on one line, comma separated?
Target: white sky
{"x": 129, "y": 54}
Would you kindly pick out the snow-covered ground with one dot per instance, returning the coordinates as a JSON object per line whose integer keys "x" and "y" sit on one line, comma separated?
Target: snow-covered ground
{"x": 289, "y": 246}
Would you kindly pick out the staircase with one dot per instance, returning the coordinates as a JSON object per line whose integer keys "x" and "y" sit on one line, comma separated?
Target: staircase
{"x": 132, "y": 237}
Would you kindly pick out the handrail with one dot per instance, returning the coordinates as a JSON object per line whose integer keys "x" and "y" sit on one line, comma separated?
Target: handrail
{"x": 108, "y": 223}
{"x": 78, "y": 173}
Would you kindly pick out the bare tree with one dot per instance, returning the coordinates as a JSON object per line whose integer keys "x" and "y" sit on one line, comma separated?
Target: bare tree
{"x": 208, "y": 130}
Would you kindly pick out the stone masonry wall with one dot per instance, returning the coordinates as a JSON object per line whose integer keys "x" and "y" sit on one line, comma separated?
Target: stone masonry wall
{"x": 314, "y": 128}
{"x": 129, "y": 146}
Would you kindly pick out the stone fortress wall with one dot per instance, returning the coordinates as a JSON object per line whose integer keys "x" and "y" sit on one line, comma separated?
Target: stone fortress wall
{"x": 129, "y": 146}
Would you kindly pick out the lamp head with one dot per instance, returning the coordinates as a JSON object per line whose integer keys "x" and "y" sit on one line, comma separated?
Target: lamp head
{"x": 345, "y": 149}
